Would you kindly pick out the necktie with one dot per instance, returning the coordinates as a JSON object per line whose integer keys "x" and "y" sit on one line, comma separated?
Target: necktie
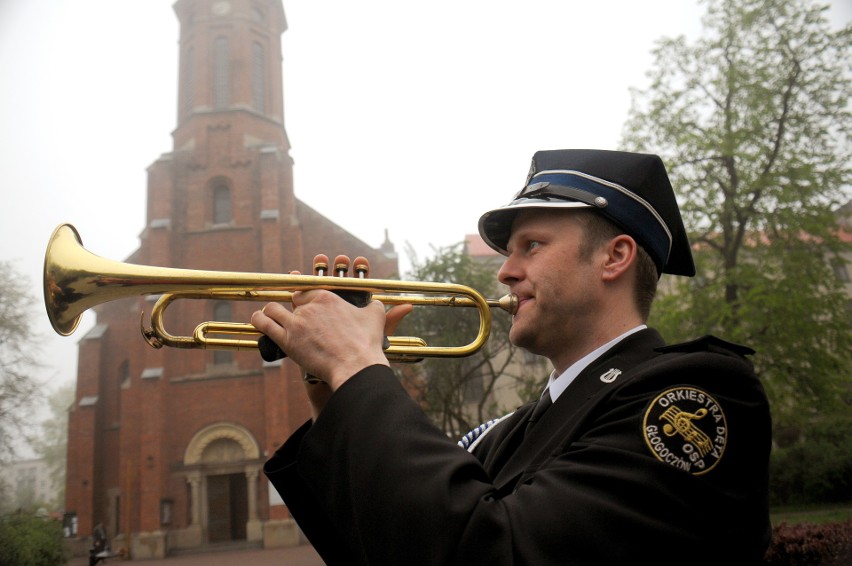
{"x": 540, "y": 407}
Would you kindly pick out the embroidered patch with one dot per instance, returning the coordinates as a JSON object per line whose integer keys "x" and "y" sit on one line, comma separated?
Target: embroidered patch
{"x": 685, "y": 427}
{"x": 611, "y": 375}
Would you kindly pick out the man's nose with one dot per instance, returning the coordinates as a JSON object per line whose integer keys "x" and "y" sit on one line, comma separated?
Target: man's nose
{"x": 509, "y": 272}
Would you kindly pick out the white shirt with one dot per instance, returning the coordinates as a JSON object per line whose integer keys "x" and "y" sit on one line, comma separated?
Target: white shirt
{"x": 559, "y": 383}
{"x": 555, "y": 386}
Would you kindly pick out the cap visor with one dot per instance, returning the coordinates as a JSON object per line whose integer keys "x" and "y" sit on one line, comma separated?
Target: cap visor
{"x": 495, "y": 226}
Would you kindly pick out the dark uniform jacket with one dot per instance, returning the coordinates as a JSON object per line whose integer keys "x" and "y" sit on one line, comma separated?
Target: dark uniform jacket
{"x": 654, "y": 452}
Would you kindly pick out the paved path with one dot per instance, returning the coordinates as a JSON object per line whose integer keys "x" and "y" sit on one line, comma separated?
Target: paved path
{"x": 303, "y": 555}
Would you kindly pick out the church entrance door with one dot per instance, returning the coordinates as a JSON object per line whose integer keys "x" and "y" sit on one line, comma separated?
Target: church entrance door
{"x": 227, "y": 505}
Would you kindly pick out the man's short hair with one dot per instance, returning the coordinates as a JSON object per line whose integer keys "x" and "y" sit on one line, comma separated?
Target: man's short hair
{"x": 597, "y": 231}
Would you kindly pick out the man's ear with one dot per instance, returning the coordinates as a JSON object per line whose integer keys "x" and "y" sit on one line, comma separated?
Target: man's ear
{"x": 621, "y": 254}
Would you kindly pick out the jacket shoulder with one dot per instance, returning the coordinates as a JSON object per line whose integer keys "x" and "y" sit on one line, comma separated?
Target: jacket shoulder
{"x": 708, "y": 343}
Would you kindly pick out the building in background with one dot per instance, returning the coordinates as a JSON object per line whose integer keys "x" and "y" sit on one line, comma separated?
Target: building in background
{"x": 843, "y": 265}
{"x": 166, "y": 447}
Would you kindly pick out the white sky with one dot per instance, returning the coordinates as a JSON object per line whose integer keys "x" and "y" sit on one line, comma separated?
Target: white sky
{"x": 431, "y": 110}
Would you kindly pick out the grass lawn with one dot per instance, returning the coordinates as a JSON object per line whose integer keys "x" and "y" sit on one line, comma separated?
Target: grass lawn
{"x": 811, "y": 514}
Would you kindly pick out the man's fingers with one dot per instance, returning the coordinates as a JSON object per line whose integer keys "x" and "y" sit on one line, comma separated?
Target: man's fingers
{"x": 275, "y": 311}
{"x": 394, "y": 316}
{"x": 268, "y": 321}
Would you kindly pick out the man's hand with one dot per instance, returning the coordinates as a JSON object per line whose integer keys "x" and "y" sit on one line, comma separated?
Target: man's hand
{"x": 329, "y": 337}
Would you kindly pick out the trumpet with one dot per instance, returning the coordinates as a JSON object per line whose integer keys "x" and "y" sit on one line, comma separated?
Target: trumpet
{"x": 76, "y": 280}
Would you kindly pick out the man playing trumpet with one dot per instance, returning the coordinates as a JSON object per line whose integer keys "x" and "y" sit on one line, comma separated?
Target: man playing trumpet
{"x": 636, "y": 450}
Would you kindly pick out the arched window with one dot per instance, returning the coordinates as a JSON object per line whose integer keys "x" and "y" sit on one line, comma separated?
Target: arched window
{"x": 123, "y": 383}
{"x": 221, "y": 76}
{"x": 222, "y": 313}
{"x": 188, "y": 89}
{"x": 258, "y": 75}
{"x": 221, "y": 204}
{"x": 124, "y": 375}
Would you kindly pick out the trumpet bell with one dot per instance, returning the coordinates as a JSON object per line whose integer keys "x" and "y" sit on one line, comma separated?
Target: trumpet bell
{"x": 61, "y": 294}
{"x": 76, "y": 280}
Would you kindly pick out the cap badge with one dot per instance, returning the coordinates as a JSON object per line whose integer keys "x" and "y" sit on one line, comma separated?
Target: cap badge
{"x": 685, "y": 427}
{"x": 611, "y": 375}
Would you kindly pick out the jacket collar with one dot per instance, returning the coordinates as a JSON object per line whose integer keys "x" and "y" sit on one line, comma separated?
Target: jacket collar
{"x": 558, "y": 426}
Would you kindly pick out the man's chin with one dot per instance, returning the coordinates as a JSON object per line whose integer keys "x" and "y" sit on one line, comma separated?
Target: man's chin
{"x": 521, "y": 339}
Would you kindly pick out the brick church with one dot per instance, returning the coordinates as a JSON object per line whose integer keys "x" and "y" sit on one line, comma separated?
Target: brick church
{"x": 166, "y": 447}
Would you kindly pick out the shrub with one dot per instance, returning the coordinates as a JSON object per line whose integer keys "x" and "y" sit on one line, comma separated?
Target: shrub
{"x": 828, "y": 544}
{"x": 817, "y": 470}
{"x": 32, "y": 541}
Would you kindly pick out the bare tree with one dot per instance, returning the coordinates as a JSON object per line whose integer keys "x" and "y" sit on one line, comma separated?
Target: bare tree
{"x": 459, "y": 394}
{"x": 51, "y": 445}
{"x": 18, "y": 364}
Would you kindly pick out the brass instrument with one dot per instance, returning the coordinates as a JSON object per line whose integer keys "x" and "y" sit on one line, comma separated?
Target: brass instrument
{"x": 76, "y": 280}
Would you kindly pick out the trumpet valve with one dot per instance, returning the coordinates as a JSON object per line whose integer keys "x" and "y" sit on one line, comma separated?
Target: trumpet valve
{"x": 341, "y": 265}
{"x": 320, "y": 264}
{"x": 361, "y": 267}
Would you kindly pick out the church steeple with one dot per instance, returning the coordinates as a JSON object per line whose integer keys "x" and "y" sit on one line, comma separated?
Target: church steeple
{"x": 229, "y": 176}
{"x": 230, "y": 57}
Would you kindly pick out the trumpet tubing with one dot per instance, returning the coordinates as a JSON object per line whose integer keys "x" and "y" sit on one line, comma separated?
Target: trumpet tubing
{"x": 76, "y": 280}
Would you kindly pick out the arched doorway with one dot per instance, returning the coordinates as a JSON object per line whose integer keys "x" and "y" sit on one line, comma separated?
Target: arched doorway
{"x": 226, "y": 501}
{"x": 223, "y": 463}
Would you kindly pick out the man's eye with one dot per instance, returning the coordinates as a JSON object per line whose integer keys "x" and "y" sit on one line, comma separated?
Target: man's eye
{"x": 533, "y": 244}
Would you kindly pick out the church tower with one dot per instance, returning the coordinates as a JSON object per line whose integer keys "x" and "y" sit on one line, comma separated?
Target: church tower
{"x": 166, "y": 447}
